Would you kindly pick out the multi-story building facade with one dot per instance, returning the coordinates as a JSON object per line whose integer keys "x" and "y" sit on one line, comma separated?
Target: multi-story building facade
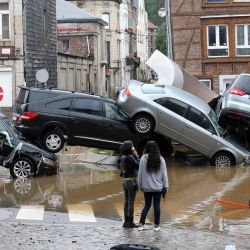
{"x": 128, "y": 23}
{"x": 211, "y": 39}
{"x": 27, "y": 44}
{"x": 125, "y": 37}
{"x": 109, "y": 11}
{"x": 81, "y": 50}
{"x": 142, "y": 38}
{"x": 152, "y": 34}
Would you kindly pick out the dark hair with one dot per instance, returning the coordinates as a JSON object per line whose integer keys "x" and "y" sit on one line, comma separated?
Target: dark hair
{"x": 126, "y": 148}
{"x": 154, "y": 157}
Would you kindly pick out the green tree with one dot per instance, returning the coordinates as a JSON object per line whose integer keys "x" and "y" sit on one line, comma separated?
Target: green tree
{"x": 161, "y": 39}
{"x": 152, "y": 7}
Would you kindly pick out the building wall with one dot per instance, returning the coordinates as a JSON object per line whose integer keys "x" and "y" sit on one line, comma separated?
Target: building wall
{"x": 11, "y": 55}
{"x": 40, "y": 40}
{"x": 142, "y": 39}
{"x": 81, "y": 67}
{"x": 125, "y": 42}
{"x": 97, "y": 8}
{"x": 190, "y": 21}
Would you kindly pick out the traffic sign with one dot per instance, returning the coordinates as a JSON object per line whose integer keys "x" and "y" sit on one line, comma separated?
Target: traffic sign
{"x": 1, "y": 93}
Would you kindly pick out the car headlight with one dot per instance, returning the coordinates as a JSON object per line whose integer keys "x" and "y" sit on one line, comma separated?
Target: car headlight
{"x": 48, "y": 161}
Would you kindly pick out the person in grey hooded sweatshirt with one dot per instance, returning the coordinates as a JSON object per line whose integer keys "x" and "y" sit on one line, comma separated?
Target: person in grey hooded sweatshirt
{"x": 153, "y": 181}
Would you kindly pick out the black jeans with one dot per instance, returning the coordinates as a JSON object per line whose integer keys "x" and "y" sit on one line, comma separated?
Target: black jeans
{"x": 129, "y": 195}
{"x": 148, "y": 196}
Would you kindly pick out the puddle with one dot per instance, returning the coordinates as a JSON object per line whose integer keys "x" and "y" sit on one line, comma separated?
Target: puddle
{"x": 191, "y": 201}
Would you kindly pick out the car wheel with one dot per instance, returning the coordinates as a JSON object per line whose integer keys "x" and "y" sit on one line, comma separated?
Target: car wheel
{"x": 53, "y": 141}
{"x": 222, "y": 159}
{"x": 143, "y": 124}
{"x": 22, "y": 168}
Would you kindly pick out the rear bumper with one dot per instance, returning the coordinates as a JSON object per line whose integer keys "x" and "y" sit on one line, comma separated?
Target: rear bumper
{"x": 235, "y": 113}
{"x": 28, "y": 132}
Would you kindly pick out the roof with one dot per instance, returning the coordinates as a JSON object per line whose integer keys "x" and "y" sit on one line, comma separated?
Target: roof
{"x": 68, "y": 13}
{"x": 151, "y": 25}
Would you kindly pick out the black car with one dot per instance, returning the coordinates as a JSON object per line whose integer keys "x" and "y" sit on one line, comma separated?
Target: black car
{"x": 54, "y": 117}
{"x": 22, "y": 158}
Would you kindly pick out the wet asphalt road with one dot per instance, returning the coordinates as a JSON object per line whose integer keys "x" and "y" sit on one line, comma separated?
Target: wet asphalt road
{"x": 81, "y": 208}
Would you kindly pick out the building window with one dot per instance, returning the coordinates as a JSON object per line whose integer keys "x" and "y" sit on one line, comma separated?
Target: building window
{"x": 217, "y": 37}
{"x": 65, "y": 45}
{"x": 241, "y": 1}
{"x": 206, "y": 82}
{"x": 108, "y": 51}
{"x": 4, "y": 20}
{"x": 106, "y": 18}
{"x": 225, "y": 81}
{"x": 243, "y": 39}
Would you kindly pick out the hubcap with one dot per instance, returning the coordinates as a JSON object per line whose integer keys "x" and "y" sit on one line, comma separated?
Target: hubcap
{"x": 22, "y": 169}
{"x": 142, "y": 125}
{"x": 222, "y": 161}
{"x": 53, "y": 141}
{"x": 22, "y": 186}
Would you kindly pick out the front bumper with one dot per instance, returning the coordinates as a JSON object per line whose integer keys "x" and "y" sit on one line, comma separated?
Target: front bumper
{"x": 47, "y": 168}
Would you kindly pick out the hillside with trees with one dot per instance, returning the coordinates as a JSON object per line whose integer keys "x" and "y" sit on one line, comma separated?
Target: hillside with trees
{"x": 152, "y": 7}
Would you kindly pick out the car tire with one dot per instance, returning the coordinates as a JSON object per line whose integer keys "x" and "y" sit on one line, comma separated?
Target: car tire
{"x": 22, "y": 168}
{"x": 53, "y": 141}
{"x": 224, "y": 159}
{"x": 143, "y": 124}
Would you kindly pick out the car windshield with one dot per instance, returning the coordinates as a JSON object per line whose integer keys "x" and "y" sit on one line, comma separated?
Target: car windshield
{"x": 214, "y": 118}
{"x": 12, "y": 129}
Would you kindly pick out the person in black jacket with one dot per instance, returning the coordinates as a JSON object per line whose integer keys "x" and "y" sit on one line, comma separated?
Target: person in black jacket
{"x": 129, "y": 168}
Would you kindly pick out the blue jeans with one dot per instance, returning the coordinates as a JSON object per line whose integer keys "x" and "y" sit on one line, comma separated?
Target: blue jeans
{"x": 129, "y": 195}
{"x": 148, "y": 196}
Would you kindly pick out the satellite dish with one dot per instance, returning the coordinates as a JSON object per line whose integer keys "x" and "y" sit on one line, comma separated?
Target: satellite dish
{"x": 162, "y": 12}
{"x": 42, "y": 75}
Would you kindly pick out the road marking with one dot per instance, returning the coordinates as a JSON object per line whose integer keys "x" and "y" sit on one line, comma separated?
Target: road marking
{"x": 81, "y": 213}
{"x": 30, "y": 212}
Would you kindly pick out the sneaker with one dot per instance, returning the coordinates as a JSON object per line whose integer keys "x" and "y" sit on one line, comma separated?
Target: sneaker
{"x": 157, "y": 228}
{"x": 141, "y": 227}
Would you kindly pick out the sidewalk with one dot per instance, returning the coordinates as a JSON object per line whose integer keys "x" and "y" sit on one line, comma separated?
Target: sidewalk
{"x": 100, "y": 159}
{"x": 106, "y": 233}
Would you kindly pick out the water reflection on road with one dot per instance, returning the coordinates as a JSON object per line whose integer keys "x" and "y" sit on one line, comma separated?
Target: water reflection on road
{"x": 190, "y": 201}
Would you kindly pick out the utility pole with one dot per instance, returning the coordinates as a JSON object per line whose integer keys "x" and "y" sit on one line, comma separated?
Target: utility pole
{"x": 168, "y": 30}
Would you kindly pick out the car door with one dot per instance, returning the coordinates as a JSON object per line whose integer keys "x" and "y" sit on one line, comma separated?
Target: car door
{"x": 86, "y": 121}
{"x": 199, "y": 134}
{"x": 171, "y": 113}
{"x": 115, "y": 126}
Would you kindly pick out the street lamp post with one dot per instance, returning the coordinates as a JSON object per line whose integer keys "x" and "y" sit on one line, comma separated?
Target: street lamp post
{"x": 168, "y": 29}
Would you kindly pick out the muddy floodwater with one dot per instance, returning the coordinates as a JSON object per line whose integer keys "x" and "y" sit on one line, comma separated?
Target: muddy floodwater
{"x": 190, "y": 202}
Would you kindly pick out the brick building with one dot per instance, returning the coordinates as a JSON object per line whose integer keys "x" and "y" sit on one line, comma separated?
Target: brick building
{"x": 211, "y": 39}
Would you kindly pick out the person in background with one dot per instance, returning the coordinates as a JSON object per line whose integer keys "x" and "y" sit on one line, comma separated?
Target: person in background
{"x": 129, "y": 169}
{"x": 153, "y": 181}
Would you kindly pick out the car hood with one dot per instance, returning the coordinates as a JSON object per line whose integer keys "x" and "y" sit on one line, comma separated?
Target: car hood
{"x": 33, "y": 148}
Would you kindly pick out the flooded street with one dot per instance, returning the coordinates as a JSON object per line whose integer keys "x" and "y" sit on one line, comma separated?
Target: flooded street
{"x": 96, "y": 191}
